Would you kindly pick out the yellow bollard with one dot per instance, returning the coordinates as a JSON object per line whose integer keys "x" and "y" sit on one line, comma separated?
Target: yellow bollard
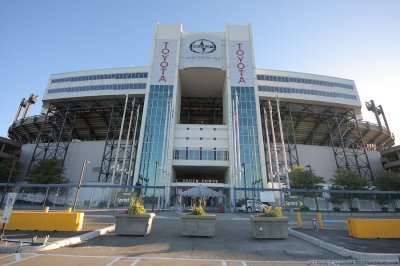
{"x": 319, "y": 218}
{"x": 69, "y": 210}
{"x": 299, "y": 222}
{"x": 46, "y": 209}
{"x": 278, "y": 211}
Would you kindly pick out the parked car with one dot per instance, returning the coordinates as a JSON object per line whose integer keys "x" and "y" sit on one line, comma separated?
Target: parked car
{"x": 253, "y": 205}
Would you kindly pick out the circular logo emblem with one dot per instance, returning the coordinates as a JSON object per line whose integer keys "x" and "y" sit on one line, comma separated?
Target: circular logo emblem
{"x": 202, "y": 46}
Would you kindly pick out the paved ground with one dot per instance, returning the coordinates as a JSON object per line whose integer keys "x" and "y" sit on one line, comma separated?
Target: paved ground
{"x": 341, "y": 238}
{"x": 19, "y": 235}
{"x": 60, "y": 259}
{"x": 233, "y": 241}
{"x": 233, "y": 244}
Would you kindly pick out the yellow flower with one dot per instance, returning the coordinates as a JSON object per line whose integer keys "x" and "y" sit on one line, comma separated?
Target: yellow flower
{"x": 271, "y": 212}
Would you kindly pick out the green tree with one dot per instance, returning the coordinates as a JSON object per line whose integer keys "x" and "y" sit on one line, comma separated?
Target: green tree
{"x": 348, "y": 180}
{"x": 48, "y": 171}
{"x": 5, "y": 169}
{"x": 345, "y": 179}
{"x": 387, "y": 181}
{"x": 302, "y": 178}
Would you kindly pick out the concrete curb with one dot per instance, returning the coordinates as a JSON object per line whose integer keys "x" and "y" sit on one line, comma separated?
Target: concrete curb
{"x": 58, "y": 244}
{"x": 390, "y": 257}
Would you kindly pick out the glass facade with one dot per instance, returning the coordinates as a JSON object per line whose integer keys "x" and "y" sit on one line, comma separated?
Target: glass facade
{"x": 248, "y": 132}
{"x": 304, "y": 81}
{"x": 103, "y": 76}
{"x": 201, "y": 154}
{"x": 154, "y": 131}
{"x": 127, "y": 86}
{"x": 307, "y": 91}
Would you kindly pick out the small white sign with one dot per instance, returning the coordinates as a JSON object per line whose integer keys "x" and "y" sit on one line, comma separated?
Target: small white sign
{"x": 11, "y": 197}
{"x": 267, "y": 196}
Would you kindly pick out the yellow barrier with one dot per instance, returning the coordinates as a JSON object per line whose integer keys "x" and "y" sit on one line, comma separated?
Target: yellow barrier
{"x": 374, "y": 228}
{"x": 320, "y": 223}
{"x": 46, "y": 221}
{"x": 299, "y": 222}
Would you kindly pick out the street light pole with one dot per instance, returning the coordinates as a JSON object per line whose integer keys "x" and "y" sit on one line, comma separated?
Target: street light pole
{"x": 315, "y": 193}
{"x": 85, "y": 162}
{"x": 154, "y": 188}
{"x": 245, "y": 186}
{"x": 319, "y": 216}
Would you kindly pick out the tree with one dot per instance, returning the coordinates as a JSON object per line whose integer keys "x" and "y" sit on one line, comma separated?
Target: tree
{"x": 301, "y": 178}
{"x": 387, "y": 181}
{"x": 346, "y": 179}
{"x": 6, "y": 165}
{"x": 48, "y": 171}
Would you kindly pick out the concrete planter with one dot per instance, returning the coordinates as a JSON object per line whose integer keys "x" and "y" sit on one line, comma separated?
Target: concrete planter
{"x": 197, "y": 225}
{"x": 269, "y": 227}
{"x": 133, "y": 224}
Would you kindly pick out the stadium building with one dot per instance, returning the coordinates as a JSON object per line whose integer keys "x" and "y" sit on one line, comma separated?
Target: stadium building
{"x": 201, "y": 113}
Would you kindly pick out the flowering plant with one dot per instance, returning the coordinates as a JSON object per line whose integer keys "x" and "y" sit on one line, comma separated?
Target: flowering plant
{"x": 269, "y": 211}
{"x": 197, "y": 208}
{"x": 135, "y": 207}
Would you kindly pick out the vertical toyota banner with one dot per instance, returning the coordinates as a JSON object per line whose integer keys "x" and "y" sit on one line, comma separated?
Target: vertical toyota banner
{"x": 164, "y": 64}
{"x": 241, "y": 64}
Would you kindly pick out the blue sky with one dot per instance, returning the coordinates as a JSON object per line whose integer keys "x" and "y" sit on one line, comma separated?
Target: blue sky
{"x": 358, "y": 40}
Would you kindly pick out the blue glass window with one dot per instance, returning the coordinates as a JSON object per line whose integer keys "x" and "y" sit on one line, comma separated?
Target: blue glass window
{"x": 248, "y": 133}
{"x": 305, "y": 81}
{"x": 154, "y": 132}
{"x": 105, "y": 76}
{"x": 127, "y": 86}
{"x": 307, "y": 91}
{"x": 201, "y": 154}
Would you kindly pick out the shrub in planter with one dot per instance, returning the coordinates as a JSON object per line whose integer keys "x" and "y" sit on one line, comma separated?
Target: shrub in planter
{"x": 271, "y": 212}
{"x": 136, "y": 206}
{"x": 384, "y": 209}
{"x": 198, "y": 210}
{"x": 336, "y": 209}
{"x": 353, "y": 209}
{"x": 197, "y": 222}
{"x": 270, "y": 224}
{"x": 135, "y": 220}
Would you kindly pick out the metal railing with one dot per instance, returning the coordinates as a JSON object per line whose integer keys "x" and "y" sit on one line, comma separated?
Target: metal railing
{"x": 95, "y": 196}
{"x": 325, "y": 200}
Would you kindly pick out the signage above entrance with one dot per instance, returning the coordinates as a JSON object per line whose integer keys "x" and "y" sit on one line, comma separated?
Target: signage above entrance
{"x": 202, "y": 51}
{"x": 200, "y": 180}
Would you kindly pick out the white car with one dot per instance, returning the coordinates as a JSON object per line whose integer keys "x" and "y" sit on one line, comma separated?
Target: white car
{"x": 252, "y": 206}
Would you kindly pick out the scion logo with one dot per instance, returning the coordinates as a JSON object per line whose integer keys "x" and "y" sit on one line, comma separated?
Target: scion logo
{"x": 202, "y": 46}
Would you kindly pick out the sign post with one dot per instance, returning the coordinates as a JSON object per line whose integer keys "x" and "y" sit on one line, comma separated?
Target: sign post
{"x": 293, "y": 201}
{"x": 267, "y": 196}
{"x": 123, "y": 199}
{"x": 11, "y": 197}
